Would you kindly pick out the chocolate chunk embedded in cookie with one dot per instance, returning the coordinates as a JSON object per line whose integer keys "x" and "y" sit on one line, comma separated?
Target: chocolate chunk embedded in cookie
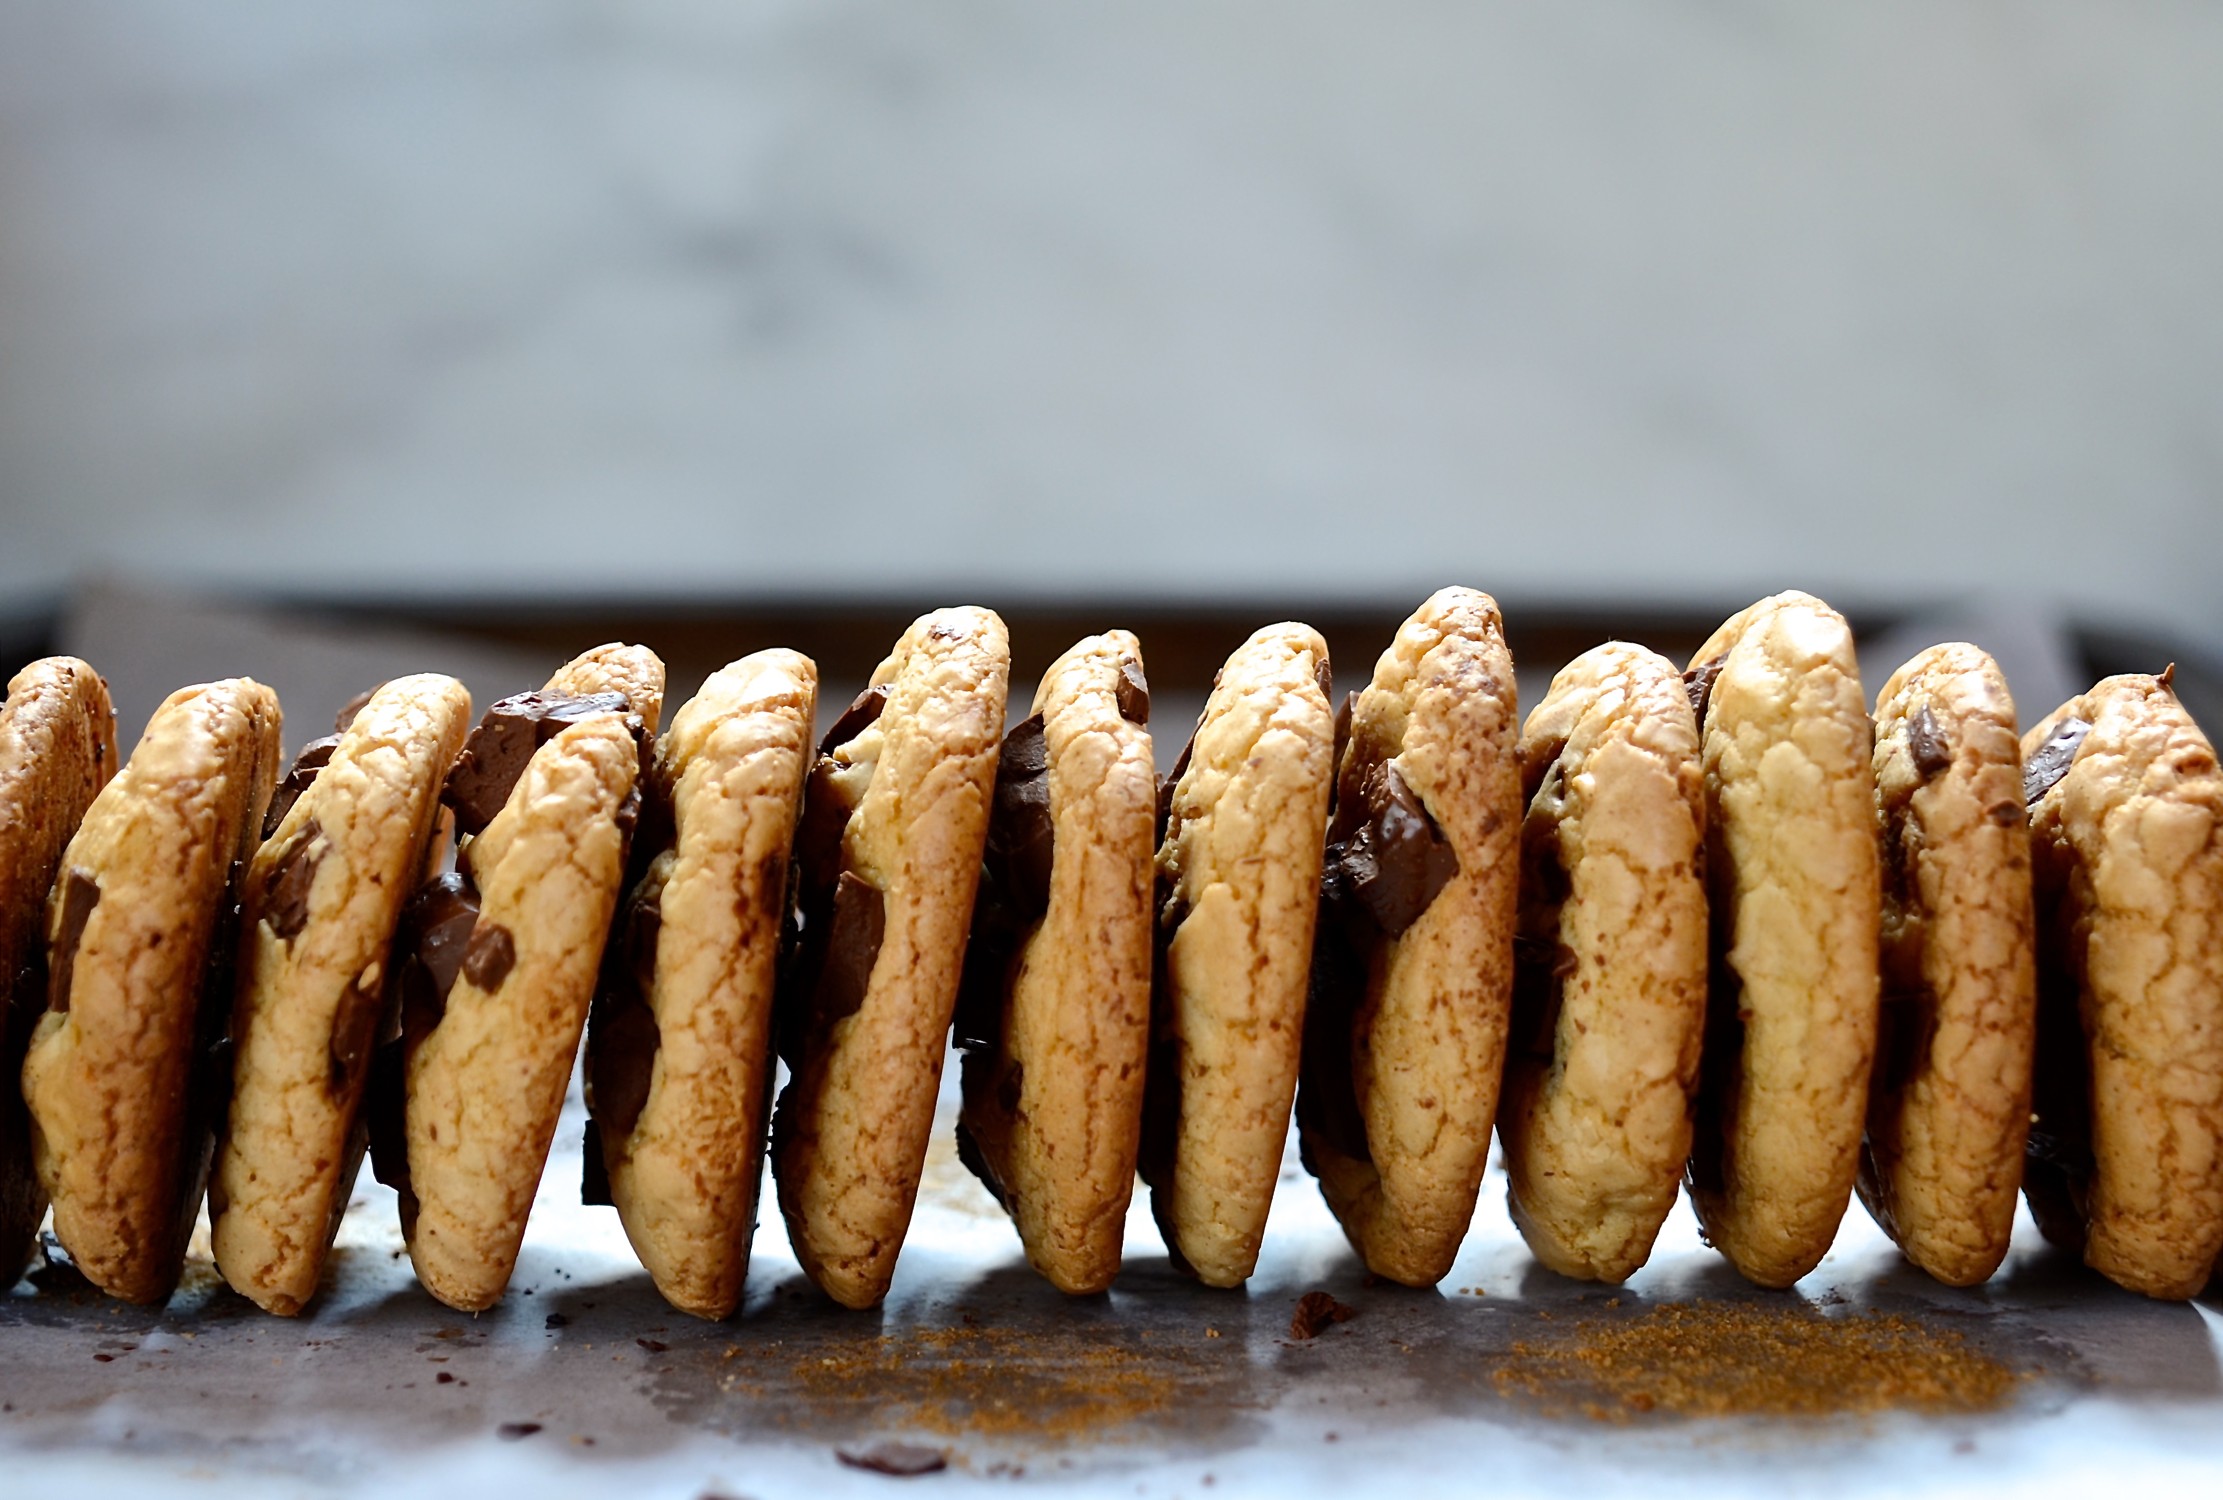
{"x": 1610, "y": 1005}
{"x": 895, "y": 818}
{"x": 679, "y": 1047}
{"x": 1238, "y": 888}
{"x": 2126, "y": 830}
{"x": 1413, "y": 970}
{"x": 126, "y": 1070}
{"x": 320, "y": 903}
{"x": 57, "y": 749}
{"x": 496, "y": 964}
{"x": 1793, "y": 893}
{"x": 1949, "y": 1103}
{"x": 1055, "y": 1014}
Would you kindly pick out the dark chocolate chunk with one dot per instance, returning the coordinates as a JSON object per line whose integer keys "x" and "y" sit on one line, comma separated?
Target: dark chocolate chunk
{"x": 285, "y": 902}
{"x": 623, "y": 1036}
{"x": 1327, "y": 1091}
{"x": 489, "y": 956}
{"x": 1397, "y": 860}
{"x": 384, "y": 1106}
{"x": 852, "y": 948}
{"x": 355, "y": 705}
{"x": 2006, "y": 814}
{"x": 1927, "y": 744}
{"x": 80, "y": 894}
{"x": 1699, "y": 682}
{"x": 1021, "y": 835}
{"x": 435, "y": 930}
{"x": 969, "y": 1154}
{"x": 1316, "y": 1311}
{"x": 355, "y": 1028}
{"x": 1172, "y": 780}
{"x": 1161, "y": 1088}
{"x": 901, "y": 1460}
{"x": 594, "y": 1169}
{"x": 862, "y": 712}
{"x": 1133, "y": 692}
{"x": 314, "y": 757}
{"x": 499, "y": 749}
{"x": 1343, "y": 717}
{"x": 1324, "y": 676}
{"x": 510, "y": 1432}
{"x": 2051, "y": 761}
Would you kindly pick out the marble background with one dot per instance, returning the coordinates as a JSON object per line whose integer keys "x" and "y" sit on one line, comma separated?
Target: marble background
{"x": 1903, "y": 303}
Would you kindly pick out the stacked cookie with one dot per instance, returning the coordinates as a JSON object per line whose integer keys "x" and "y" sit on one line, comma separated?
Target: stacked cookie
{"x": 1717, "y": 928}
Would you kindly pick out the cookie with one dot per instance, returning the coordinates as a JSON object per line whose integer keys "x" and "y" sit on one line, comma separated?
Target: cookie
{"x": 1054, "y": 1015}
{"x": 2125, "y": 1160}
{"x": 1238, "y": 887}
{"x": 344, "y": 844}
{"x": 1949, "y": 1101}
{"x": 1792, "y": 892}
{"x": 895, "y": 817}
{"x": 125, "y": 1072}
{"x": 1610, "y": 1005}
{"x": 679, "y": 1045}
{"x": 1413, "y": 955}
{"x": 57, "y": 748}
{"x": 496, "y": 964}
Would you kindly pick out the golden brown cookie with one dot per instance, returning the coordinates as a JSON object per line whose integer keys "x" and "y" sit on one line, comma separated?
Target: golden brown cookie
{"x": 1413, "y": 954}
{"x": 2126, "y": 842}
{"x": 496, "y": 965}
{"x": 679, "y": 1047}
{"x": 1949, "y": 1104}
{"x": 1793, "y": 893}
{"x": 57, "y": 749}
{"x": 1055, "y": 1009}
{"x": 894, "y": 822}
{"x": 125, "y": 1071}
{"x": 346, "y": 837}
{"x": 1238, "y": 889}
{"x": 1610, "y": 1006}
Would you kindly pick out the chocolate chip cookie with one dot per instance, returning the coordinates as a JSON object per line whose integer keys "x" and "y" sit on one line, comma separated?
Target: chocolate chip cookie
{"x": 1238, "y": 888}
{"x": 1610, "y": 1006}
{"x": 125, "y": 1072}
{"x": 2126, "y": 833}
{"x": 1055, "y": 1008}
{"x": 895, "y": 817}
{"x": 1793, "y": 893}
{"x": 344, "y": 841}
{"x": 1949, "y": 1102}
{"x": 1413, "y": 956}
{"x": 679, "y": 1046}
{"x": 496, "y": 964}
{"x": 57, "y": 749}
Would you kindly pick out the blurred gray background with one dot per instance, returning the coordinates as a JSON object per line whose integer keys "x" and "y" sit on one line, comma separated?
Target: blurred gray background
{"x": 1616, "y": 307}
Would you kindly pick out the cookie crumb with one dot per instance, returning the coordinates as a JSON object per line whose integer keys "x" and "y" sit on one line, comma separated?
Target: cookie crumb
{"x": 1315, "y": 1311}
{"x": 510, "y": 1432}
{"x": 653, "y": 1346}
{"x": 901, "y": 1460}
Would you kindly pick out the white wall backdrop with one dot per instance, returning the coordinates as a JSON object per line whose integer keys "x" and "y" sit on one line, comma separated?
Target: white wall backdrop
{"x": 1609, "y": 301}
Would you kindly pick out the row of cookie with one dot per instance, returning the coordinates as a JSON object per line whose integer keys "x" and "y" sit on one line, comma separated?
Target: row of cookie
{"x": 1403, "y": 931}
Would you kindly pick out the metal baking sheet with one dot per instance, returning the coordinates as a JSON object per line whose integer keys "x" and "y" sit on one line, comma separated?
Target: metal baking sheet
{"x": 1159, "y": 1388}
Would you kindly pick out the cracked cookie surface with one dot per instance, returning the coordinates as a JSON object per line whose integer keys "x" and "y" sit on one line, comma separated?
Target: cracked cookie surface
{"x": 319, "y": 905}
{"x": 1611, "y": 1005}
{"x": 1238, "y": 891}
{"x": 57, "y": 750}
{"x": 122, "y": 1074}
{"x": 679, "y": 1049}
{"x": 1056, "y": 1010}
{"x": 2126, "y": 833}
{"x": 484, "y": 1073}
{"x": 895, "y": 820}
{"x": 1793, "y": 891}
{"x": 1949, "y": 1103}
{"x": 1413, "y": 968}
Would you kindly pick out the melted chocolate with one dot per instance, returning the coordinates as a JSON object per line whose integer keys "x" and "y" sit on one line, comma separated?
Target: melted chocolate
{"x": 1324, "y": 676}
{"x": 498, "y": 750}
{"x": 314, "y": 757}
{"x": 1133, "y": 692}
{"x": 1396, "y": 861}
{"x": 285, "y": 904}
{"x": 1927, "y": 744}
{"x": 489, "y": 956}
{"x": 80, "y": 894}
{"x": 2051, "y": 761}
{"x": 427, "y": 954}
{"x": 852, "y": 948}
{"x": 1699, "y": 683}
{"x": 355, "y": 1028}
{"x": 1014, "y": 883}
{"x": 863, "y": 711}
{"x": 623, "y": 1036}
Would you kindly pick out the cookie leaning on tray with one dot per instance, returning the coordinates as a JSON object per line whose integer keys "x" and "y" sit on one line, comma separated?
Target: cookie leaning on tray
{"x": 2043, "y": 924}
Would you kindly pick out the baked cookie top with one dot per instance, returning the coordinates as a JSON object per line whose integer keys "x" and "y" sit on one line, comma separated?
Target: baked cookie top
{"x": 57, "y": 749}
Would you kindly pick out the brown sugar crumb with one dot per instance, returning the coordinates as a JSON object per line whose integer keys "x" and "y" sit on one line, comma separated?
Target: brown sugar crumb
{"x": 1726, "y": 1359}
{"x": 1315, "y": 1311}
